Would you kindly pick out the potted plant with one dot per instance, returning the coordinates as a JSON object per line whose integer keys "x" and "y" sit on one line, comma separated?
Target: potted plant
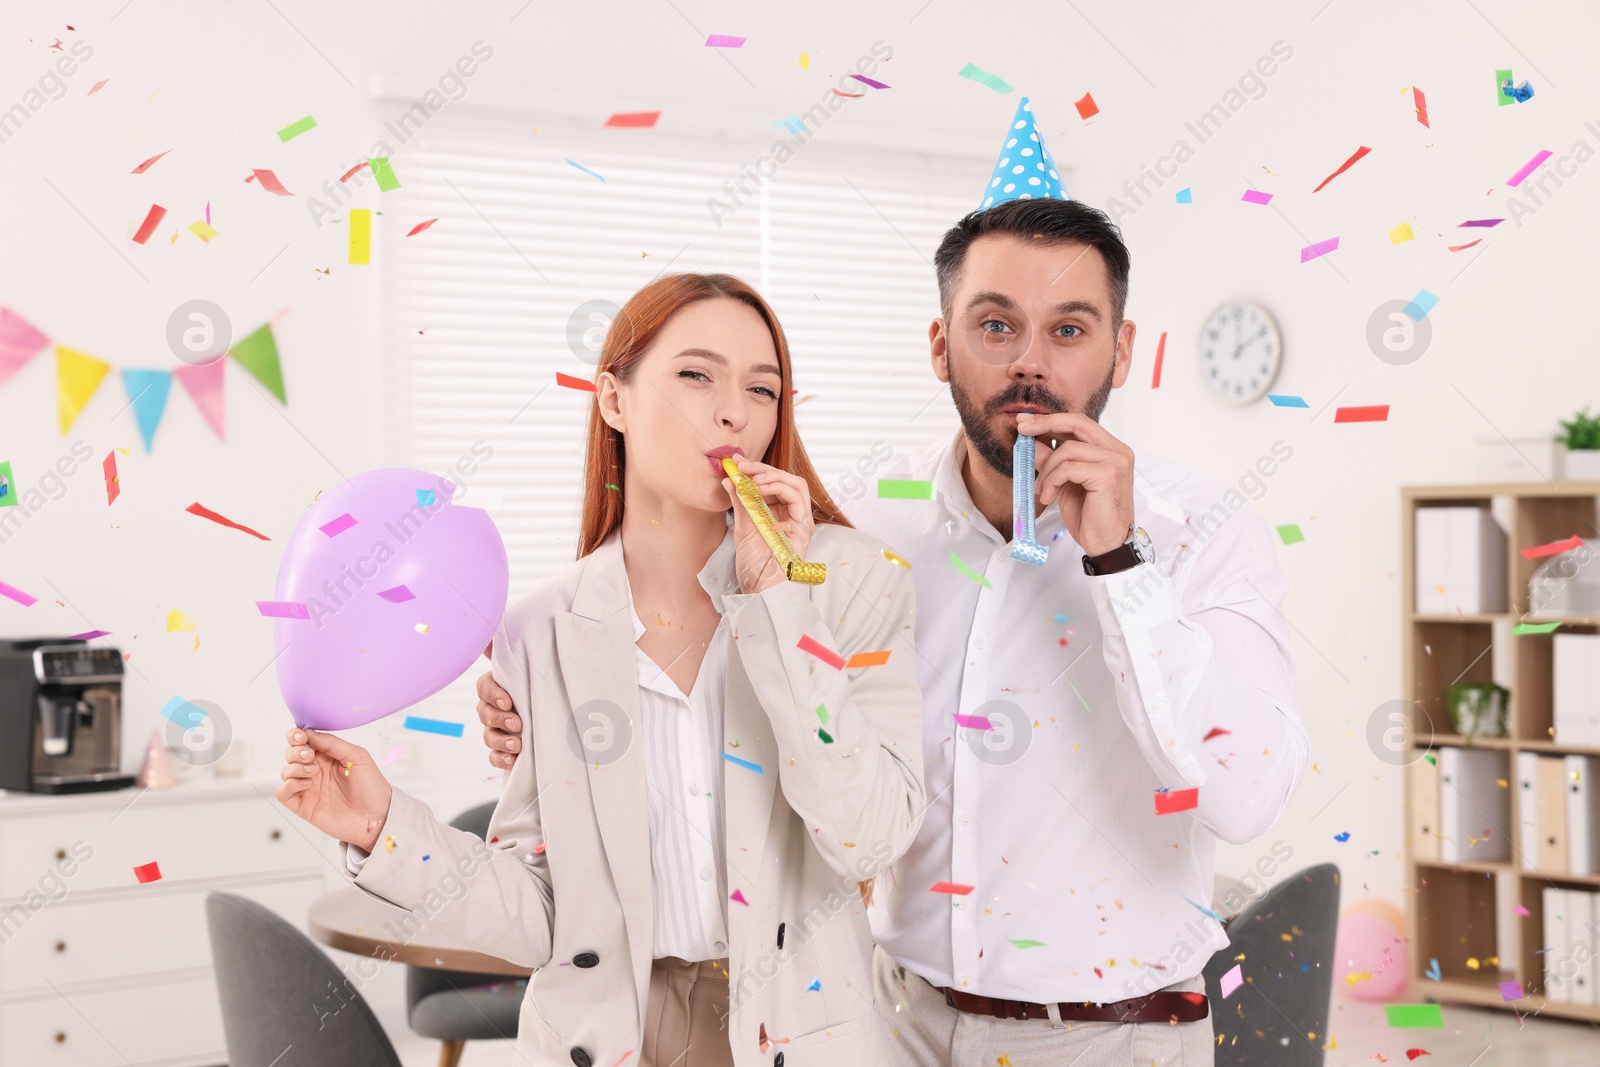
{"x": 1580, "y": 441}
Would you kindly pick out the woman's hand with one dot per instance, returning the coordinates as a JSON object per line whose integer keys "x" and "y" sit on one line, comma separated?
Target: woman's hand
{"x": 501, "y": 723}
{"x": 334, "y": 786}
{"x": 789, "y": 499}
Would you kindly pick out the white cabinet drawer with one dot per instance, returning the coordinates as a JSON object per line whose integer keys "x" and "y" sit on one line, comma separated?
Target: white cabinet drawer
{"x": 130, "y": 935}
{"x": 142, "y": 1024}
{"x": 222, "y": 838}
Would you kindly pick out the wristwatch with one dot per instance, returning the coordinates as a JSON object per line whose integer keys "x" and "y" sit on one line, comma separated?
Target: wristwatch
{"x": 1135, "y": 550}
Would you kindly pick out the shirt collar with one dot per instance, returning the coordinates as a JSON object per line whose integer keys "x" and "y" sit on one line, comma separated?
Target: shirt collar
{"x": 717, "y": 578}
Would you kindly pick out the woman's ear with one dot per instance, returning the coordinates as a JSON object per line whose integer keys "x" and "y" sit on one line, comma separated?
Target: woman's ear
{"x": 608, "y": 393}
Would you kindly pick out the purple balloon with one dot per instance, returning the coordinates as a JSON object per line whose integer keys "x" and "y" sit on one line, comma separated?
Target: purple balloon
{"x": 374, "y": 559}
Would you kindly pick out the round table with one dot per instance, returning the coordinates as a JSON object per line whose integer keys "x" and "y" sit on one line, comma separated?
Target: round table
{"x": 354, "y": 921}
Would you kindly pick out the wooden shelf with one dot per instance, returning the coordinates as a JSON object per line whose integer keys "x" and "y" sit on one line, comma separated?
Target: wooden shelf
{"x": 1453, "y": 913}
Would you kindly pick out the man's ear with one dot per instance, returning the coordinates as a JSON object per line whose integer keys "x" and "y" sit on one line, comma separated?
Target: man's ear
{"x": 938, "y": 350}
{"x": 1124, "y": 353}
{"x": 608, "y": 394}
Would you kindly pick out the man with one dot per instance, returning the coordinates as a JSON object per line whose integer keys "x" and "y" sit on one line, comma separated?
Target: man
{"x": 1053, "y": 908}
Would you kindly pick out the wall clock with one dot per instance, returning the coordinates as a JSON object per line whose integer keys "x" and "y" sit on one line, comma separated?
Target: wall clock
{"x": 1240, "y": 352}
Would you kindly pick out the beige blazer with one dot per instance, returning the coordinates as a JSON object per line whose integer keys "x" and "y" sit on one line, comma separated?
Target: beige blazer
{"x": 564, "y": 885}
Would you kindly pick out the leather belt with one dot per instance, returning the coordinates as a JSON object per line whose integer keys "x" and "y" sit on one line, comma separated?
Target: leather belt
{"x": 1162, "y": 1006}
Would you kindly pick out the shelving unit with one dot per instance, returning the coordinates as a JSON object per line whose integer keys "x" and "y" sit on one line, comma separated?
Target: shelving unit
{"x": 1453, "y": 913}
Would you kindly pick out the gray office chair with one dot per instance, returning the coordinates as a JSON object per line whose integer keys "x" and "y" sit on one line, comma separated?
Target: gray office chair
{"x": 458, "y": 1006}
{"x": 281, "y": 994}
{"x": 1290, "y": 982}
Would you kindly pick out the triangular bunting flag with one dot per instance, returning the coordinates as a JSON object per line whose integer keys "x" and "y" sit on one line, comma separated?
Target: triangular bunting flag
{"x": 147, "y": 392}
{"x": 77, "y": 377}
{"x": 258, "y": 354}
{"x": 204, "y": 385}
{"x": 1025, "y": 170}
{"x": 19, "y": 342}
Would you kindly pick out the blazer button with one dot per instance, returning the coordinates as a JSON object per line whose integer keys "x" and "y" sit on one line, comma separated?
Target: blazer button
{"x": 585, "y": 959}
{"x": 780, "y": 935}
{"x": 581, "y": 1058}
{"x": 777, "y": 1061}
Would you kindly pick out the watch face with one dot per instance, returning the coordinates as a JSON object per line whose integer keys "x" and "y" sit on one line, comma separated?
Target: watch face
{"x": 1143, "y": 547}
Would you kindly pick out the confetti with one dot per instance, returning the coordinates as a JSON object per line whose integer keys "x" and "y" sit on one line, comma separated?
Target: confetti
{"x": 1232, "y": 980}
{"x": 88, "y": 635}
{"x": 586, "y": 170}
{"x": 822, "y": 713}
{"x": 351, "y": 173}
{"x": 1342, "y": 837}
{"x": 815, "y": 986}
{"x": 983, "y": 77}
{"x": 207, "y": 513}
{"x": 1401, "y": 234}
{"x": 892, "y": 558}
{"x": 737, "y": 897}
{"x": 151, "y": 220}
{"x": 1185, "y": 196}
{"x": 149, "y": 872}
{"x": 1420, "y": 305}
{"x": 433, "y": 726}
{"x": 191, "y": 715}
{"x": 1291, "y": 534}
{"x": 570, "y": 382}
{"x": 101, "y": 84}
{"x": 335, "y": 527}
{"x": 1551, "y": 548}
{"x": 178, "y": 622}
{"x": 1528, "y": 168}
{"x": 904, "y": 489}
{"x": 1207, "y": 911}
{"x": 395, "y": 752}
{"x": 821, "y": 651}
{"x": 283, "y": 609}
{"x": 1283, "y": 400}
{"x": 1161, "y": 353}
{"x": 113, "y": 483}
{"x": 868, "y": 659}
{"x": 969, "y": 572}
{"x": 360, "y": 247}
{"x": 746, "y": 764}
{"x": 202, "y": 229}
{"x": 1510, "y": 990}
{"x": 955, "y": 889}
{"x": 1346, "y": 165}
{"x": 1256, "y": 196}
{"x": 1481, "y": 223}
{"x": 1215, "y": 731}
{"x": 426, "y": 498}
{"x": 295, "y": 129}
{"x": 1414, "y": 1015}
{"x": 1422, "y": 105}
{"x": 147, "y": 164}
{"x": 1025, "y": 942}
{"x": 397, "y": 595}
{"x": 824, "y": 736}
{"x": 1469, "y": 244}
{"x": 633, "y": 119}
{"x": 419, "y": 227}
{"x": 973, "y": 722}
{"x": 1533, "y": 628}
{"x": 421, "y": 627}
{"x": 1170, "y": 803}
{"x": 1086, "y": 106}
{"x": 268, "y": 181}
{"x": 1413, "y": 1053}
{"x": 1369, "y": 413}
{"x": 864, "y": 80}
{"x": 27, "y": 600}
{"x": 1318, "y": 250}
{"x": 723, "y": 40}
{"x": 383, "y": 171}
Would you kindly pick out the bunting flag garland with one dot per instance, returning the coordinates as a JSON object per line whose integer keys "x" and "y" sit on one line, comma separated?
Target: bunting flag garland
{"x": 147, "y": 392}
{"x": 79, "y": 375}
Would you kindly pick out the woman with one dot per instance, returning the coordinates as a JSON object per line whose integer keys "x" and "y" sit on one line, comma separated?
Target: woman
{"x": 677, "y": 847}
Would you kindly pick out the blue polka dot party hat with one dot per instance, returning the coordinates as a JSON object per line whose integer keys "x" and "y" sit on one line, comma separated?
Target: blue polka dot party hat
{"x": 1026, "y": 170}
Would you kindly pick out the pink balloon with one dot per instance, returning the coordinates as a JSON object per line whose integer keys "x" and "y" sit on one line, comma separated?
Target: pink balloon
{"x": 1370, "y": 944}
{"x": 374, "y": 559}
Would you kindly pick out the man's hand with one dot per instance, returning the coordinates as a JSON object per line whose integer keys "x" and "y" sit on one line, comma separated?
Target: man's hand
{"x": 501, "y": 723}
{"x": 1089, "y": 474}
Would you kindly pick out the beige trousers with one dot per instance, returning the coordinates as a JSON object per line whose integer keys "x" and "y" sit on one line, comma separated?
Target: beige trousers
{"x": 930, "y": 1033}
{"x": 684, "y": 1025}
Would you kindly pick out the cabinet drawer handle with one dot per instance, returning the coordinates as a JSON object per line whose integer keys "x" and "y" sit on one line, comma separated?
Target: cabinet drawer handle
{"x": 61, "y": 853}
{"x": 61, "y": 946}
{"x": 276, "y": 834}
{"x": 61, "y": 1036}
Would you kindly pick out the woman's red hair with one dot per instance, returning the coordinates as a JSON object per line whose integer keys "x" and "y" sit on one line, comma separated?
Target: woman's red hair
{"x": 632, "y": 333}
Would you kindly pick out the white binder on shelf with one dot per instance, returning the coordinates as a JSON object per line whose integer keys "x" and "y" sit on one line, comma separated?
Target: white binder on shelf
{"x": 1575, "y": 689}
{"x": 1474, "y": 810}
{"x": 1424, "y": 781}
{"x": 1460, "y": 561}
{"x": 1527, "y": 811}
{"x": 1556, "y": 928}
{"x": 1580, "y": 948}
{"x": 1583, "y": 815}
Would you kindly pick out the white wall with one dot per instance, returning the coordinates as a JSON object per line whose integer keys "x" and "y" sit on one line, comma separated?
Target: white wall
{"x": 214, "y": 82}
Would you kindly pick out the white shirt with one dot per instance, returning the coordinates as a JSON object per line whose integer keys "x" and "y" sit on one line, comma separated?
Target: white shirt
{"x": 683, "y": 775}
{"x": 1079, "y": 885}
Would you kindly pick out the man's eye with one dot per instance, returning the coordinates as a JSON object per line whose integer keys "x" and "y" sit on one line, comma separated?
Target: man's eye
{"x": 994, "y": 322}
{"x": 1075, "y": 331}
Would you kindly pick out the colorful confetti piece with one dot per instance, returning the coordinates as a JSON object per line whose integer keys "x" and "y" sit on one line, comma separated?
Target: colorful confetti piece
{"x": 434, "y": 726}
{"x": 283, "y": 609}
{"x": 1367, "y": 413}
{"x": 975, "y": 73}
{"x": 1232, "y": 980}
{"x": 1318, "y": 250}
{"x": 1346, "y": 165}
{"x": 904, "y": 489}
{"x": 1290, "y": 533}
{"x": 1170, "y": 803}
{"x": 207, "y": 513}
{"x": 295, "y": 129}
{"x": 827, "y": 655}
{"x": 1283, "y": 400}
{"x": 148, "y": 872}
{"x": 746, "y": 764}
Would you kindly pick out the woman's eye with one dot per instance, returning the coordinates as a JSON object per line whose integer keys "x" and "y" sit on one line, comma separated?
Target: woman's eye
{"x": 694, "y": 375}
{"x": 767, "y": 391}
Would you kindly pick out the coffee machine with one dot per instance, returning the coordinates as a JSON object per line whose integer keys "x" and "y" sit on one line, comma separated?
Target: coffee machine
{"x": 60, "y": 717}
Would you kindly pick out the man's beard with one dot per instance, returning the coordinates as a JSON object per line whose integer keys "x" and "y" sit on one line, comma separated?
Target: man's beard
{"x": 975, "y": 419}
